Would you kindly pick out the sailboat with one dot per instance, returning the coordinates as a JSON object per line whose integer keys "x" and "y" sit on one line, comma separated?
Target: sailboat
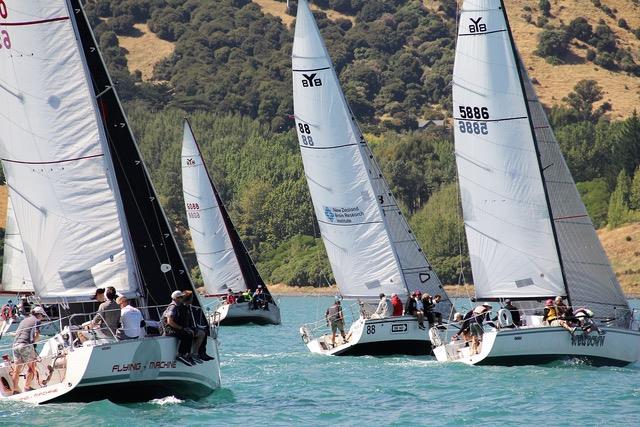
{"x": 88, "y": 215}
{"x": 224, "y": 261}
{"x": 370, "y": 246}
{"x": 530, "y": 237}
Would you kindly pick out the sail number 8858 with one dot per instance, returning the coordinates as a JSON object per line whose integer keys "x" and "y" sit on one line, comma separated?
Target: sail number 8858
{"x": 305, "y": 134}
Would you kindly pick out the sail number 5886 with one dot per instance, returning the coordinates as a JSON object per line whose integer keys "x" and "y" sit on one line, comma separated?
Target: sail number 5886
{"x": 468, "y": 112}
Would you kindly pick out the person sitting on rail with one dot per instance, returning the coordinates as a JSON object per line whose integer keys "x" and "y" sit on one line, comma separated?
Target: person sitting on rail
{"x": 552, "y": 317}
{"x": 384, "y": 308}
{"x": 396, "y": 302}
{"x": 230, "y": 298}
{"x": 131, "y": 320}
{"x": 515, "y": 313}
{"x": 415, "y": 307}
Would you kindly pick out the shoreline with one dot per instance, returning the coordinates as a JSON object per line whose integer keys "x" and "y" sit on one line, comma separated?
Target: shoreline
{"x": 454, "y": 291}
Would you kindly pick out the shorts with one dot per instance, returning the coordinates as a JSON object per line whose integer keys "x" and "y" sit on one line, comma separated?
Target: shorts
{"x": 556, "y": 322}
{"x": 475, "y": 330}
{"x": 24, "y": 354}
{"x": 337, "y": 324}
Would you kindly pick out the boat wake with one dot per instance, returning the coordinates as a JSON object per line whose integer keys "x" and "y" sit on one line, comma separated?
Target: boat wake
{"x": 169, "y": 400}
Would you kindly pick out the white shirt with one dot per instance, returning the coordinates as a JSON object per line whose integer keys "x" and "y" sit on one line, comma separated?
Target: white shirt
{"x": 419, "y": 305}
{"x": 131, "y": 317}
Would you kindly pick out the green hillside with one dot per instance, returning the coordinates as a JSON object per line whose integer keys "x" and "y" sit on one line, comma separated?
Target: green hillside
{"x": 227, "y": 66}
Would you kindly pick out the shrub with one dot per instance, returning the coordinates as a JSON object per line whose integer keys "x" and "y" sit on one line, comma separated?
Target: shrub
{"x": 580, "y": 29}
{"x": 552, "y": 44}
{"x": 545, "y": 7}
{"x": 591, "y": 55}
{"x": 622, "y": 23}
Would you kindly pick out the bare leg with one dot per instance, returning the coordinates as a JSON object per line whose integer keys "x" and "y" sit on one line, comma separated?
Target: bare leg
{"x": 17, "y": 370}
{"x": 30, "y": 374}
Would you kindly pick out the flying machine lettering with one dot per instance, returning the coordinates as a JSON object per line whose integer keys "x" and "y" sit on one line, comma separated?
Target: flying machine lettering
{"x": 137, "y": 366}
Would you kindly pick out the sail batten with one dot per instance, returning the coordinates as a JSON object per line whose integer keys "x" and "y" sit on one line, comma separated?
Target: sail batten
{"x": 368, "y": 241}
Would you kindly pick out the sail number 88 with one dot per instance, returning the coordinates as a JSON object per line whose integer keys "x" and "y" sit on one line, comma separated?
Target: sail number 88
{"x": 305, "y": 134}
{"x": 474, "y": 112}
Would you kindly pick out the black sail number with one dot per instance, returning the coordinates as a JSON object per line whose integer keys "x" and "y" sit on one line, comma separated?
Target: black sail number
{"x": 305, "y": 134}
{"x": 470, "y": 112}
{"x": 4, "y": 12}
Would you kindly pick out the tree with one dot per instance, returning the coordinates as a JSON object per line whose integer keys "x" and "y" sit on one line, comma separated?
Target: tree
{"x": 438, "y": 227}
{"x": 580, "y": 29}
{"x": 585, "y": 94}
{"x": 552, "y": 44}
{"x": 634, "y": 192}
{"x": 595, "y": 196}
{"x": 545, "y": 7}
{"x": 619, "y": 201}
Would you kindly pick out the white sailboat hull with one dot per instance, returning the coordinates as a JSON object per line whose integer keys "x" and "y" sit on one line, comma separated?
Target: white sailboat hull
{"x": 124, "y": 371}
{"x": 243, "y": 313}
{"x": 538, "y": 345}
{"x": 374, "y": 337}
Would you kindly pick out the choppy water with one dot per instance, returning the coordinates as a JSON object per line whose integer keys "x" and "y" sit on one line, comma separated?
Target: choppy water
{"x": 270, "y": 378}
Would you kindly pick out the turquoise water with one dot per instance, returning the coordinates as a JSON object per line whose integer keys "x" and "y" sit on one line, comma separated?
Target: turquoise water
{"x": 270, "y": 378}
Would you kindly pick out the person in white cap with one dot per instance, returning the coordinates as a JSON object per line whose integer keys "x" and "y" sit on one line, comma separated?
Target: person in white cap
{"x": 172, "y": 326}
{"x": 24, "y": 352}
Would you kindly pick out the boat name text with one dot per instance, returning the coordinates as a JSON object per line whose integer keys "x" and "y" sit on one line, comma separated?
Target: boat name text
{"x": 137, "y": 366}
{"x": 587, "y": 340}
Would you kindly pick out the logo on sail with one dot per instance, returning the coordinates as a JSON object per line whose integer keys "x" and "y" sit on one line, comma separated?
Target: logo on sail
{"x": 191, "y": 162}
{"x": 344, "y": 215}
{"x": 476, "y": 26}
{"x": 310, "y": 80}
{"x": 329, "y": 214}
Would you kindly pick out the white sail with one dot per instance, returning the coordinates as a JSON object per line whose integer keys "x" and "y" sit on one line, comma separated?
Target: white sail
{"x": 370, "y": 246}
{"x": 590, "y": 280}
{"x": 56, "y": 159}
{"x": 509, "y": 232}
{"x": 214, "y": 250}
{"x": 15, "y": 271}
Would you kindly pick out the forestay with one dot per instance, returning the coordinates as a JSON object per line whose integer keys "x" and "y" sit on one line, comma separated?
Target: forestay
{"x": 590, "y": 280}
{"x": 214, "y": 250}
{"x": 56, "y": 159}
{"x": 370, "y": 246}
{"x": 15, "y": 271}
{"x": 510, "y": 236}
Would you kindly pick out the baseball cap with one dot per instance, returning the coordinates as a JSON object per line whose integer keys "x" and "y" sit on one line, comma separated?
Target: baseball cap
{"x": 176, "y": 294}
{"x": 38, "y": 310}
{"x": 98, "y": 292}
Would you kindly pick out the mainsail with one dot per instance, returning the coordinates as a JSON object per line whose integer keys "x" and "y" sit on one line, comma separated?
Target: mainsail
{"x": 224, "y": 261}
{"x": 528, "y": 232}
{"x": 15, "y": 271}
{"x": 370, "y": 246}
{"x": 86, "y": 208}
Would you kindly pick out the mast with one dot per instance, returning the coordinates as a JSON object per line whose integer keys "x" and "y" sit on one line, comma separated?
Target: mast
{"x": 537, "y": 149}
{"x": 161, "y": 268}
{"x": 248, "y": 270}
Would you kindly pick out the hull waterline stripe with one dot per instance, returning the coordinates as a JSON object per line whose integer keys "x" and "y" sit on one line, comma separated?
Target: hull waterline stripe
{"x": 42, "y": 21}
{"x": 53, "y": 161}
{"x": 313, "y": 69}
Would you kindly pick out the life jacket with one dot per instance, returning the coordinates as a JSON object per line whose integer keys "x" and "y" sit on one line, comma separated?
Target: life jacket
{"x": 550, "y": 314}
{"x": 6, "y": 312}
